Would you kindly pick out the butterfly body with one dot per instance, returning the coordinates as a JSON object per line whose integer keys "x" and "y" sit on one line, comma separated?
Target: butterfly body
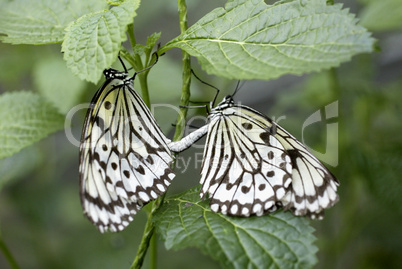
{"x": 124, "y": 157}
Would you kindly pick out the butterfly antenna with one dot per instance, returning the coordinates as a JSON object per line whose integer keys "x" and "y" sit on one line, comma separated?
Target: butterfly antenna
{"x": 122, "y": 63}
{"x": 238, "y": 87}
{"x": 210, "y": 85}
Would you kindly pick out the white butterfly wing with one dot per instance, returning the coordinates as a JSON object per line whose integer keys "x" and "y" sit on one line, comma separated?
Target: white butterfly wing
{"x": 245, "y": 169}
{"x": 313, "y": 187}
{"x": 124, "y": 158}
{"x": 238, "y": 138}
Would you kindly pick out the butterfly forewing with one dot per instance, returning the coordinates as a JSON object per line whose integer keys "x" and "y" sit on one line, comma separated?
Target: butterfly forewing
{"x": 124, "y": 158}
{"x": 245, "y": 169}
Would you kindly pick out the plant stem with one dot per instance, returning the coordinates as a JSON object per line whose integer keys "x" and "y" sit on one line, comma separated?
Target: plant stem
{"x": 6, "y": 252}
{"x": 184, "y": 101}
{"x": 186, "y": 76}
{"x": 154, "y": 252}
{"x": 144, "y": 88}
{"x": 136, "y": 62}
{"x": 146, "y": 237}
{"x": 334, "y": 82}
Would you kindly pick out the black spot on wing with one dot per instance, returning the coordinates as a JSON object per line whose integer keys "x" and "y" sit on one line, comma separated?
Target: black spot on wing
{"x": 265, "y": 138}
{"x": 108, "y": 105}
{"x": 270, "y": 155}
{"x": 247, "y": 126}
{"x": 114, "y": 166}
{"x": 103, "y": 165}
{"x": 140, "y": 170}
{"x": 100, "y": 123}
{"x": 150, "y": 160}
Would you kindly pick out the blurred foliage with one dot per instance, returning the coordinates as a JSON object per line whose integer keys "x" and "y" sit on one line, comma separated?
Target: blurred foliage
{"x": 40, "y": 213}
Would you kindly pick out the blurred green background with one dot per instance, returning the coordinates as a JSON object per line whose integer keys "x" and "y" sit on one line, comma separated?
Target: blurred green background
{"x": 41, "y": 218}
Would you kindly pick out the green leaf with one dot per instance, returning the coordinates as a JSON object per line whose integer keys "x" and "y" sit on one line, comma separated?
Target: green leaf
{"x": 93, "y": 42}
{"x": 251, "y": 40}
{"x": 273, "y": 241}
{"x": 41, "y": 21}
{"x": 382, "y": 15}
{"x": 151, "y": 41}
{"x": 56, "y": 82}
{"x": 25, "y": 118}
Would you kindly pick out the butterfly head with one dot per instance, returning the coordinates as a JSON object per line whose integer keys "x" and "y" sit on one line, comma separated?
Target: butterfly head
{"x": 114, "y": 74}
{"x": 224, "y": 104}
{"x": 228, "y": 99}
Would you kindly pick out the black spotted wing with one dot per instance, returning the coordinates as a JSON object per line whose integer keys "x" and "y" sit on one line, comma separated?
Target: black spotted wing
{"x": 245, "y": 169}
{"x": 124, "y": 158}
{"x": 313, "y": 186}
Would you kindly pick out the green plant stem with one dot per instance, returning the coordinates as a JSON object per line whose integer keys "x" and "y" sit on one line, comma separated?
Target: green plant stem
{"x": 334, "y": 82}
{"x": 136, "y": 62}
{"x": 146, "y": 238}
{"x": 186, "y": 76}
{"x": 154, "y": 252}
{"x": 144, "y": 88}
{"x": 184, "y": 101}
{"x": 6, "y": 252}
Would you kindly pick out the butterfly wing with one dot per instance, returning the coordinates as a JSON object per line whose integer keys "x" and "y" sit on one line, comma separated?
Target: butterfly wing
{"x": 313, "y": 187}
{"x": 124, "y": 158}
{"x": 245, "y": 169}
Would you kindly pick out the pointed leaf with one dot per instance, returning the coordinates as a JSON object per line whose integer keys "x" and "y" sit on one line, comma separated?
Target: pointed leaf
{"x": 41, "y": 21}
{"x": 92, "y": 43}
{"x": 251, "y": 40}
{"x": 25, "y": 118}
{"x": 273, "y": 241}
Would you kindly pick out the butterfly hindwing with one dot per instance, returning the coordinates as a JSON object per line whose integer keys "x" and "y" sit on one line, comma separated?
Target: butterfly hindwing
{"x": 313, "y": 186}
{"x": 124, "y": 158}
